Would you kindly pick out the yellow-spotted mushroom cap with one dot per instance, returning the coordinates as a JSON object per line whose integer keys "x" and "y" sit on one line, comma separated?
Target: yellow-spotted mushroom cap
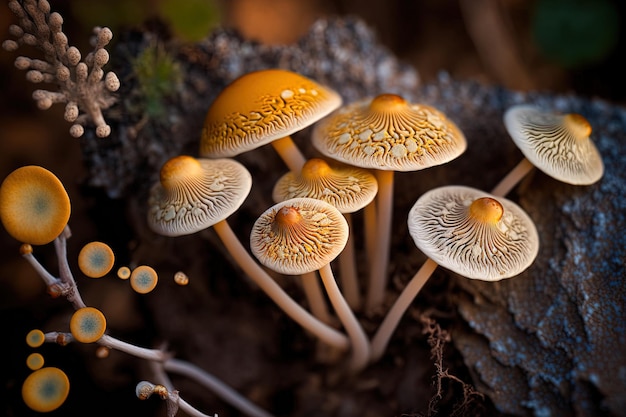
{"x": 87, "y": 324}
{"x": 298, "y": 236}
{"x": 473, "y": 233}
{"x": 388, "y": 133}
{"x": 35, "y": 338}
{"x": 45, "y": 389}
{"x": 194, "y": 194}
{"x": 557, "y": 144}
{"x": 260, "y": 107}
{"x": 96, "y": 259}
{"x": 34, "y": 361}
{"x": 143, "y": 279}
{"x": 346, "y": 187}
{"x": 34, "y": 206}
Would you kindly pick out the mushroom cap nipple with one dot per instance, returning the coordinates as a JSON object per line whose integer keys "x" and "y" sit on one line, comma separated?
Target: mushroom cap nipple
{"x": 315, "y": 168}
{"x": 486, "y": 210}
{"x": 388, "y": 103}
{"x": 179, "y": 169}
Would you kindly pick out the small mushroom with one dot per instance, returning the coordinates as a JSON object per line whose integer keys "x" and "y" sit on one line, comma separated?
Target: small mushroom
{"x": 347, "y": 188}
{"x": 143, "y": 279}
{"x": 35, "y": 361}
{"x": 96, "y": 259}
{"x": 194, "y": 194}
{"x": 469, "y": 232}
{"x": 303, "y": 235}
{"x": 388, "y": 134}
{"x": 35, "y": 338}
{"x": 557, "y": 144}
{"x": 265, "y": 107}
{"x": 46, "y": 389}
{"x": 34, "y": 206}
{"x": 87, "y": 324}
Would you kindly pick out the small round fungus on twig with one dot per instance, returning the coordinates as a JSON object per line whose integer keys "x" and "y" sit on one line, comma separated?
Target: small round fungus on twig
{"x": 87, "y": 324}
{"x": 35, "y": 338}
{"x": 557, "y": 144}
{"x": 181, "y": 278}
{"x": 298, "y": 236}
{"x": 143, "y": 279}
{"x": 194, "y": 194}
{"x": 96, "y": 259}
{"x": 473, "y": 233}
{"x": 45, "y": 389}
{"x": 34, "y": 206}
{"x": 123, "y": 272}
{"x": 34, "y": 361}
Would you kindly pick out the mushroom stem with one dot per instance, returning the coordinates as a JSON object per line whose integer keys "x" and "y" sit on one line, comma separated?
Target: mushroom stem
{"x": 218, "y": 387}
{"x": 380, "y": 259}
{"x": 369, "y": 217}
{"x": 512, "y": 178}
{"x": 315, "y": 297}
{"x": 65, "y": 273}
{"x": 347, "y": 270}
{"x": 275, "y": 292}
{"x": 389, "y": 324}
{"x": 289, "y": 153}
{"x": 358, "y": 338}
{"x": 46, "y": 276}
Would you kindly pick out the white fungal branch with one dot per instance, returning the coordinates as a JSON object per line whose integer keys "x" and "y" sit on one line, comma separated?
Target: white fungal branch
{"x": 82, "y": 85}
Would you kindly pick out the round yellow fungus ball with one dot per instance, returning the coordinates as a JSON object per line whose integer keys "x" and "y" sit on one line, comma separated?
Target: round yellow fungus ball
{"x": 96, "y": 259}
{"x": 45, "y": 389}
{"x": 34, "y": 361}
{"x": 143, "y": 279}
{"x": 87, "y": 324}
{"x": 35, "y": 338}
{"x": 123, "y": 272}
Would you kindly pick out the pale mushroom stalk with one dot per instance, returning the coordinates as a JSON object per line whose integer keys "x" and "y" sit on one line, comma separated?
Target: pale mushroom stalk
{"x": 43, "y": 273}
{"x": 358, "y": 338}
{"x": 289, "y": 153}
{"x": 275, "y": 292}
{"x": 378, "y": 272}
{"x": 369, "y": 218}
{"x": 216, "y": 386}
{"x": 65, "y": 273}
{"x": 512, "y": 178}
{"x": 392, "y": 319}
{"x": 315, "y": 297}
{"x": 347, "y": 270}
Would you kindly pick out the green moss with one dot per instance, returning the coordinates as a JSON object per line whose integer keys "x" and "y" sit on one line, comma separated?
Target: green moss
{"x": 159, "y": 77}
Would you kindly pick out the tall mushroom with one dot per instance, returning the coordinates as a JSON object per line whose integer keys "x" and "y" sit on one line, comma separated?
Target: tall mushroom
{"x": 194, "y": 194}
{"x": 557, "y": 144}
{"x": 347, "y": 188}
{"x": 302, "y": 235}
{"x": 469, "y": 232}
{"x": 387, "y": 134}
{"x": 264, "y": 107}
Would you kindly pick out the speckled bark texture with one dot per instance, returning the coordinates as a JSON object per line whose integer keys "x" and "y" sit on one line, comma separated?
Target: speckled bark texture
{"x": 550, "y": 342}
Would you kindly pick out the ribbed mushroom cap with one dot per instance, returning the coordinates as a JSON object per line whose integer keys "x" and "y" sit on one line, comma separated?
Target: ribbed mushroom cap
{"x": 34, "y": 206}
{"x": 260, "y": 107}
{"x": 87, "y": 324}
{"x": 298, "y": 236}
{"x": 96, "y": 259}
{"x": 346, "y": 187}
{"x": 557, "y": 144}
{"x": 389, "y": 133}
{"x": 45, "y": 389}
{"x": 194, "y": 194}
{"x": 472, "y": 233}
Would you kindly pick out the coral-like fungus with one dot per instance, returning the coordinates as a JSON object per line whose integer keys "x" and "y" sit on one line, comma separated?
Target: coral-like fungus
{"x": 34, "y": 206}
{"x": 82, "y": 84}
{"x": 88, "y": 324}
{"x": 46, "y": 389}
{"x": 96, "y": 259}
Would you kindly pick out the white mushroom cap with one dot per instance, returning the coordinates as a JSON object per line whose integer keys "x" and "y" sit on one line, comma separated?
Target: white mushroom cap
{"x": 346, "y": 187}
{"x": 194, "y": 194}
{"x": 260, "y": 107}
{"x": 473, "y": 233}
{"x": 298, "y": 236}
{"x": 388, "y": 133}
{"x": 557, "y": 144}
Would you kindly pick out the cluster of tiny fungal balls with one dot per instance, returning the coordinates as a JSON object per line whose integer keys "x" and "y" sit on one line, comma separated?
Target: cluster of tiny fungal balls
{"x": 82, "y": 84}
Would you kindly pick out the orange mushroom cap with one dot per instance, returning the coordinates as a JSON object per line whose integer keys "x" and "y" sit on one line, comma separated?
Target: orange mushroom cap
{"x": 143, "y": 279}
{"x": 260, "y": 107}
{"x": 45, "y": 389}
{"x": 87, "y": 324}
{"x": 34, "y": 206}
{"x": 388, "y": 133}
{"x": 96, "y": 259}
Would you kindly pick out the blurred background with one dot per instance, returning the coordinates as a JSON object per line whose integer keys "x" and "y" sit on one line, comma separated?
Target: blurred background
{"x": 563, "y": 46}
